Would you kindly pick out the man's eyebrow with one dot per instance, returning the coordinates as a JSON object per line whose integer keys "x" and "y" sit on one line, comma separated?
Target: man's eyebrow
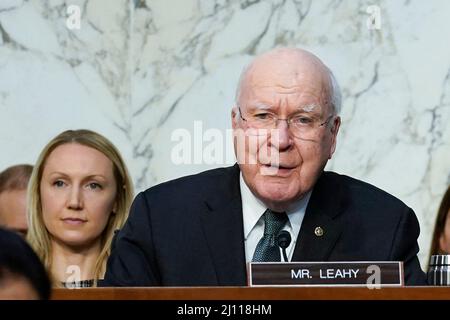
{"x": 261, "y": 105}
{"x": 307, "y": 108}
{"x": 301, "y": 108}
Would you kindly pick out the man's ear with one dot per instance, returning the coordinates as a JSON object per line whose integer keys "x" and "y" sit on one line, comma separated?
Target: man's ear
{"x": 334, "y": 132}
{"x": 234, "y": 112}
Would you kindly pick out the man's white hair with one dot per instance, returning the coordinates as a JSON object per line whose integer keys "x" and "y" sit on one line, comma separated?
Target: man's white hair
{"x": 335, "y": 94}
{"x": 334, "y": 89}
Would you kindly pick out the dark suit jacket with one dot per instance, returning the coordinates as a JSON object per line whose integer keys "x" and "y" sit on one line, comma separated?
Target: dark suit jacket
{"x": 189, "y": 231}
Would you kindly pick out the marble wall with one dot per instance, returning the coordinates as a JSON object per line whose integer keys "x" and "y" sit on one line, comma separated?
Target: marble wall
{"x": 136, "y": 71}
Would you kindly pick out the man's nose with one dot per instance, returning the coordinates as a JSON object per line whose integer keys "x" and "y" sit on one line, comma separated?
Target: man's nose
{"x": 75, "y": 201}
{"x": 281, "y": 137}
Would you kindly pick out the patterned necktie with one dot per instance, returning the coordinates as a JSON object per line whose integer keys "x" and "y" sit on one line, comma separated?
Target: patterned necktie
{"x": 267, "y": 248}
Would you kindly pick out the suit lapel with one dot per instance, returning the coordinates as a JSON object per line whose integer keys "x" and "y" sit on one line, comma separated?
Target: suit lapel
{"x": 321, "y": 226}
{"x": 222, "y": 224}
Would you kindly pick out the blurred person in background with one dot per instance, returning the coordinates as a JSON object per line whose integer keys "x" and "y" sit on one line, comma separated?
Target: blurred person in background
{"x": 13, "y": 193}
{"x": 440, "y": 243}
{"x": 22, "y": 275}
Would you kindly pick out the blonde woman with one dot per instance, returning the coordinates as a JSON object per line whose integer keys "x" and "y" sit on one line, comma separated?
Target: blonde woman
{"x": 79, "y": 193}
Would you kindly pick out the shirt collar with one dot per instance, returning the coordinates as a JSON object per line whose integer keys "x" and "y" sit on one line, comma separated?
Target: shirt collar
{"x": 253, "y": 209}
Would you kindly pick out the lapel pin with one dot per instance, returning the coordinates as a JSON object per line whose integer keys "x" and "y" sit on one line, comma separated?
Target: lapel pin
{"x": 318, "y": 231}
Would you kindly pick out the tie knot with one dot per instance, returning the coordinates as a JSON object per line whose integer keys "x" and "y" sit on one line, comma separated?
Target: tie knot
{"x": 274, "y": 222}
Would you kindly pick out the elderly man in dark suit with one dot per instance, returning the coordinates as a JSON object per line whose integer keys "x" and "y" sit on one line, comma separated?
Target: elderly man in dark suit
{"x": 201, "y": 230}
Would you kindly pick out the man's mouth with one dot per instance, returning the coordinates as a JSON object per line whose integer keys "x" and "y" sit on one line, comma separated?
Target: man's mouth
{"x": 276, "y": 169}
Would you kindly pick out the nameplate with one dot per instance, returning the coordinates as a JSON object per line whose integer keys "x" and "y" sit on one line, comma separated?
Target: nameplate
{"x": 353, "y": 273}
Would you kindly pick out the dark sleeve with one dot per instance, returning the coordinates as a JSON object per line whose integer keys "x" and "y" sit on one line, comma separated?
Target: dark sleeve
{"x": 132, "y": 260}
{"x": 405, "y": 248}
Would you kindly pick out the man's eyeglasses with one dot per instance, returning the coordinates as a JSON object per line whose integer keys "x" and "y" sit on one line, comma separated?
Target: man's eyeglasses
{"x": 301, "y": 126}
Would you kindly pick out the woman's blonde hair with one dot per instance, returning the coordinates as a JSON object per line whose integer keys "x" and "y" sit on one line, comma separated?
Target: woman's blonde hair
{"x": 38, "y": 235}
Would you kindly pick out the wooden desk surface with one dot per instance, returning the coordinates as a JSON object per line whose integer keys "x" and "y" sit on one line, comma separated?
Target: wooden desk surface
{"x": 260, "y": 293}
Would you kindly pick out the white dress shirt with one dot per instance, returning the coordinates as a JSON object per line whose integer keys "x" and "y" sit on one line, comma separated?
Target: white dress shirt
{"x": 253, "y": 210}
